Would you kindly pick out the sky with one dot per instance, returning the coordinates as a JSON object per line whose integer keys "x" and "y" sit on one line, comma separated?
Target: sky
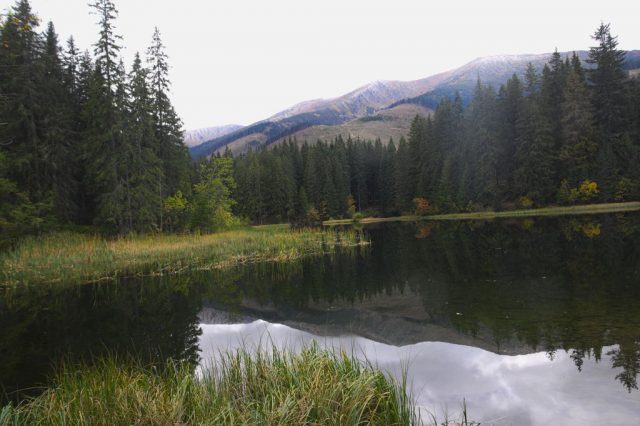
{"x": 241, "y": 61}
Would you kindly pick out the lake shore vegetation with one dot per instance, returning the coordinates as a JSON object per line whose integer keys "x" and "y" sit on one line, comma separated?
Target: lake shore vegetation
{"x": 279, "y": 387}
{"x": 76, "y": 258}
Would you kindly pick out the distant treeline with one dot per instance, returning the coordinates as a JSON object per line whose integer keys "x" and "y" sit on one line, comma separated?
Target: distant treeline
{"x": 83, "y": 141}
{"x": 569, "y": 135}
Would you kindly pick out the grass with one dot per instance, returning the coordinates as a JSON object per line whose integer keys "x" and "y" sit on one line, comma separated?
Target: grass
{"x": 73, "y": 258}
{"x": 314, "y": 387}
{"x": 546, "y": 211}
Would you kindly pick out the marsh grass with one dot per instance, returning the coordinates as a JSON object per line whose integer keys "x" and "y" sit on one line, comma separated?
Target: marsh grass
{"x": 73, "y": 258}
{"x": 272, "y": 387}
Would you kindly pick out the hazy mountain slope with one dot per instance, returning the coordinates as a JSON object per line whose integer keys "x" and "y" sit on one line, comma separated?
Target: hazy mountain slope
{"x": 198, "y": 136}
{"x": 390, "y": 123}
{"x": 362, "y": 102}
{"x": 323, "y": 118}
{"x": 493, "y": 70}
{"x": 366, "y": 99}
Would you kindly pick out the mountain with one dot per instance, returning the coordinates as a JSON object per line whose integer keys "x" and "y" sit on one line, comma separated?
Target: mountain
{"x": 374, "y": 110}
{"x": 362, "y": 102}
{"x": 199, "y": 136}
{"x": 495, "y": 70}
{"x": 385, "y": 124}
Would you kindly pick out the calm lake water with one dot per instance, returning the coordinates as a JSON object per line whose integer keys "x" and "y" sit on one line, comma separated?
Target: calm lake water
{"x": 533, "y": 321}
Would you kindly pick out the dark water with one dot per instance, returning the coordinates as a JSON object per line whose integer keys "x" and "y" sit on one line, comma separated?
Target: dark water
{"x": 531, "y": 321}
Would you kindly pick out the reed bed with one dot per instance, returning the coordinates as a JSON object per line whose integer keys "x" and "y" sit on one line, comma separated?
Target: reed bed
{"x": 74, "y": 258}
{"x": 274, "y": 387}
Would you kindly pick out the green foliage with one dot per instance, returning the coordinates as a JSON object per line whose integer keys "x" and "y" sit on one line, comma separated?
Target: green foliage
{"x": 565, "y": 194}
{"x": 212, "y": 196}
{"x": 627, "y": 190}
{"x": 176, "y": 212}
{"x": 351, "y": 206}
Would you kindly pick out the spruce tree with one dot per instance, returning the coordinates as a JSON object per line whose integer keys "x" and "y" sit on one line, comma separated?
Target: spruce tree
{"x": 607, "y": 79}
{"x": 534, "y": 175}
{"x": 107, "y": 48}
{"x": 168, "y": 126}
{"x": 509, "y": 108}
{"x": 144, "y": 167}
{"x": 56, "y": 129}
{"x": 608, "y": 82}
{"x": 483, "y": 149}
{"x": 20, "y": 76}
{"x": 579, "y": 147}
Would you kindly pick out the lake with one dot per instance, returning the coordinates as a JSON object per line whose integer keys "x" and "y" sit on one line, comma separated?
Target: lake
{"x": 528, "y": 321}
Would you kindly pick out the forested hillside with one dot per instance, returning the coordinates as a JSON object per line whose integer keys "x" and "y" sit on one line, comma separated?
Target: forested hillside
{"x": 86, "y": 142}
{"x": 569, "y": 134}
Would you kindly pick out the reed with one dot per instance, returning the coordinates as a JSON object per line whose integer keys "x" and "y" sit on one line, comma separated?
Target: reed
{"x": 273, "y": 387}
{"x": 74, "y": 258}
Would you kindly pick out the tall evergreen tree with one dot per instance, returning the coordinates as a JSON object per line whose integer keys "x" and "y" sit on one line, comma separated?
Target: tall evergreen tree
{"x": 608, "y": 80}
{"x": 535, "y": 157}
{"x": 509, "y": 109}
{"x": 59, "y": 149}
{"x": 168, "y": 126}
{"x": 144, "y": 167}
{"x": 579, "y": 146}
{"x": 20, "y": 76}
{"x": 107, "y": 48}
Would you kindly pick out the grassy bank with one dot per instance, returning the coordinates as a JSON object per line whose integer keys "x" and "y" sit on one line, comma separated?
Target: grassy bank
{"x": 268, "y": 388}
{"x": 546, "y": 211}
{"x": 73, "y": 258}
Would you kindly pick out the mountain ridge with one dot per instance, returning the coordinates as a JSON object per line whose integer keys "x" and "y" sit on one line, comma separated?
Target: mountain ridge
{"x": 308, "y": 117}
{"x": 198, "y": 136}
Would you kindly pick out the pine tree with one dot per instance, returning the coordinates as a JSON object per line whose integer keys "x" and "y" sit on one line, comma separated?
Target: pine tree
{"x": 144, "y": 167}
{"x": 107, "y": 49}
{"x": 509, "y": 108}
{"x": 56, "y": 129}
{"x": 608, "y": 81}
{"x": 535, "y": 158}
{"x": 483, "y": 151}
{"x": 579, "y": 146}
{"x": 20, "y": 75}
{"x": 168, "y": 126}
{"x": 404, "y": 189}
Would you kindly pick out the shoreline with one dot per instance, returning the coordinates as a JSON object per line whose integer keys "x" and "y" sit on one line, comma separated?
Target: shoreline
{"x": 544, "y": 211}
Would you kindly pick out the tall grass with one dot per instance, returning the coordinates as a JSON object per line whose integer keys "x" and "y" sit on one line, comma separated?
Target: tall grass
{"x": 265, "y": 388}
{"x": 70, "y": 257}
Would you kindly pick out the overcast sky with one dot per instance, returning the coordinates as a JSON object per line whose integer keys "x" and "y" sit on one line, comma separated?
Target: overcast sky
{"x": 239, "y": 61}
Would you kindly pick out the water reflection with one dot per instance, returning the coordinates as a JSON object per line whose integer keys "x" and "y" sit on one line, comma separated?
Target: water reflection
{"x": 43, "y": 325}
{"x": 511, "y": 287}
{"x": 567, "y": 290}
{"x": 499, "y": 389}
